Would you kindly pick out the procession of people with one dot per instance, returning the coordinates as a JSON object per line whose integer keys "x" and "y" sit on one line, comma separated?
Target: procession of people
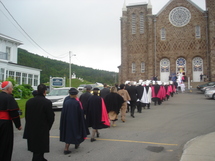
{"x": 94, "y": 110}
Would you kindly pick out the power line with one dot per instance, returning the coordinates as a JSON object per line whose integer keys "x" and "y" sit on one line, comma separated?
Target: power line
{"x": 24, "y": 30}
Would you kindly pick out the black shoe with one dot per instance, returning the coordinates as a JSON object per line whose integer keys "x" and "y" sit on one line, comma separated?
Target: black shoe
{"x": 132, "y": 116}
{"x": 77, "y": 146}
{"x": 67, "y": 152}
{"x": 92, "y": 139}
{"x": 97, "y": 135}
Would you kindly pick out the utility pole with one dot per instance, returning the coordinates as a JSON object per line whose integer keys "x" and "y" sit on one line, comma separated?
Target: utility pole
{"x": 70, "y": 75}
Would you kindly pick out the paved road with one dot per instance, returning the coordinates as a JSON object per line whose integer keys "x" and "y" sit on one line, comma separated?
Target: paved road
{"x": 158, "y": 134}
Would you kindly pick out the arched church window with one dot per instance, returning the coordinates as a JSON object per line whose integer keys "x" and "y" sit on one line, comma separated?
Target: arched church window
{"x": 133, "y": 24}
{"x": 133, "y": 67}
{"x": 197, "y": 64}
{"x": 141, "y": 23}
{"x": 181, "y": 65}
{"x": 165, "y": 65}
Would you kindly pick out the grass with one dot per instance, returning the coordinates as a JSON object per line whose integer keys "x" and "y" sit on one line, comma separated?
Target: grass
{"x": 21, "y": 104}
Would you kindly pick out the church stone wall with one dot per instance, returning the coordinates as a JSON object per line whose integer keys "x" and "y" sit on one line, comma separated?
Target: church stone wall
{"x": 181, "y": 41}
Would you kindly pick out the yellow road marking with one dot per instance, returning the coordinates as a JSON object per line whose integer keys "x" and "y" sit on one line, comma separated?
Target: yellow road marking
{"x": 129, "y": 141}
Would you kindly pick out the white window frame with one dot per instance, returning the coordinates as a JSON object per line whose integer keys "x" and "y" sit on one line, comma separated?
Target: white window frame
{"x": 143, "y": 66}
{"x": 141, "y": 23}
{"x": 133, "y": 23}
{"x": 198, "y": 31}
{"x": 30, "y": 79}
{"x": 24, "y": 78}
{"x": 8, "y": 52}
{"x": 133, "y": 68}
{"x": 18, "y": 78}
{"x": 163, "y": 34}
{"x": 36, "y": 80}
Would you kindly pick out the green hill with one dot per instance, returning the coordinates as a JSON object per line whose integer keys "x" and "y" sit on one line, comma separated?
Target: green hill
{"x": 56, "y": 68}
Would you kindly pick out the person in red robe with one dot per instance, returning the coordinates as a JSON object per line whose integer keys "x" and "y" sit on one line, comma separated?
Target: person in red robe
{"x": 8, "y": 115}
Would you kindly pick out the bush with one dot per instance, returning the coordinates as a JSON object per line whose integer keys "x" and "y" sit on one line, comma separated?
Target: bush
{"x": 21, "y": 91}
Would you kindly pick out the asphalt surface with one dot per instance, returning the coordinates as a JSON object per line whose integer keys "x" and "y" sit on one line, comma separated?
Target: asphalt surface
{"x": 154, "y": 135}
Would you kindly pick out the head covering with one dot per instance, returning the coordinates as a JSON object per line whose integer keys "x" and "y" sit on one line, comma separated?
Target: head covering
{"x": 5, "y": 84}
{"x": 88, "y": 87}
{"x": 96, "y": 89}
{"x": 34, "y": 93}
{"x": 73, "y": 91}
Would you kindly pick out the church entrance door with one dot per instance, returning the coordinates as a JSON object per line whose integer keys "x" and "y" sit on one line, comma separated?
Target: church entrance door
{"x": 164, "y": 70}
{"x": 197, "y": 69}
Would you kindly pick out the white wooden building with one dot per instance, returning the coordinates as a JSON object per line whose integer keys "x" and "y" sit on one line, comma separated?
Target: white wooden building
{"x": 9, "y": 66}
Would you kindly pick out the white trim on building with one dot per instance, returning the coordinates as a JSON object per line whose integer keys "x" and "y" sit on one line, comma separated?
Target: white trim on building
{"x": 9, "y": 66}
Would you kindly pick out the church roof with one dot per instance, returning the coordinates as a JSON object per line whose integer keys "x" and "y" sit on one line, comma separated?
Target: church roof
{"x": 170, "y": 1}
{"x": 137, "y": 4}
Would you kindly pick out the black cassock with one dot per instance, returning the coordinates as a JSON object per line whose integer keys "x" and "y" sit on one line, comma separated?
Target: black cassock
{"x": 113, "y": 102}
{"x": 73, "y": 129}
{"x": 96, "y": 110}
{"x": 39, "y": 117}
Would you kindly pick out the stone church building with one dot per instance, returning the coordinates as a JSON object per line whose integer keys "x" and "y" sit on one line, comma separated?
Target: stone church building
{"x": 179, "y": 38}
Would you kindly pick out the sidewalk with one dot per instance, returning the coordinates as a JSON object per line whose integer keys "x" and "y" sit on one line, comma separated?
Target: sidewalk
{"x": 201, "y": 148}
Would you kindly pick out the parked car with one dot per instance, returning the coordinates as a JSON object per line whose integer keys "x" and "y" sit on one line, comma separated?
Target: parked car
{"x": 205, "y": 88}
{"x": 210, "y": 92}
{"x": 199, "y": 87}
{"x": 57, "y": 96}
{"x": 81, "y": 87}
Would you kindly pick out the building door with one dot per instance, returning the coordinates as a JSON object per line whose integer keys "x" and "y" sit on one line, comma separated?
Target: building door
{"x": 181, "y": 65}
{"x": 164, "y": 70}
{"x": 197, "y": 69}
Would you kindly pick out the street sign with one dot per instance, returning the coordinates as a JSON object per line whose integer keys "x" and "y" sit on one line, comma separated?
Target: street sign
{"x": 57, "y": 81}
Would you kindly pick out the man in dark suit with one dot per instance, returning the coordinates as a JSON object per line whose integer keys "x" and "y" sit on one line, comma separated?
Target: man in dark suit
{"x": 105, "y": 91}
{"x": 140, "y": 89}
{"x": 132, "y": 91}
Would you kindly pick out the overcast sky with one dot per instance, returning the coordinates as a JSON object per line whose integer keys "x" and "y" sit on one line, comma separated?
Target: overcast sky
{"x": 90, "y": 29}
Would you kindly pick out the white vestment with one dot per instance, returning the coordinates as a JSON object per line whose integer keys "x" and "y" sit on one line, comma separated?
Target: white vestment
{"x": 147, "y": 96}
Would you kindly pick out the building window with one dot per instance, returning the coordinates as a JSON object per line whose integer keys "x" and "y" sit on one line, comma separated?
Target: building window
{"x": 18, "y": 77}
{"x": 165, "y": 65}
{"x": 8, "y": 50}
{"x": 133, "y": 24}
{"x": 2, "y": 74}
{"x": 142, "y": 67}
{"x": 35, "y": 80}
{"x": 163, "y": 34}
{"x": 197, "y": 64}
{"x": 30, "y": 78}
{"x": 7, "y": 74}
{"x": 24, "y": 78}
{"x": 133, "y": 68}
{"x": 11, "y": 74}
{"x": 181, "y": 65}
{"x": 141, "y": 23}
{"x": 198, "y": 31}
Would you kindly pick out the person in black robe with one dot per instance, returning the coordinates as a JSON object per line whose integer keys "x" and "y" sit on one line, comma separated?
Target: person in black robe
{"x": 113, "y": 102}
{"x": 39, "y": 117}
{"x": 105, "y": 91}
{"x": 96, "y": 116}
{"x": 85, "y": 96}
{"x": 73, "y": 128}
{"x": 8, "y": 115}
{"x": 140, "y": 89}
{"x": 132, "y": 91}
